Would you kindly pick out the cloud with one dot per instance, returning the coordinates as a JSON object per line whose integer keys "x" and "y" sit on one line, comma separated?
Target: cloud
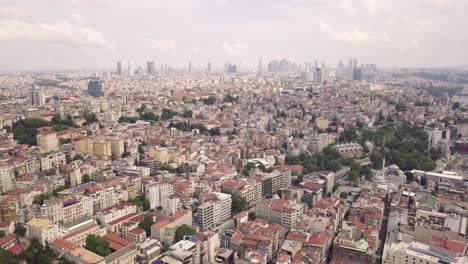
{"x": 166, "y": 45}
{"x": 234, "y": 50}
{"x": 8, "y": 12}
{"x": 73, "y": 33}
{"x": 355, "y": 36}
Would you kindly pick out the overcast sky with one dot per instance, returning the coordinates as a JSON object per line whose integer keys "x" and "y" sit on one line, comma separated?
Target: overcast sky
{"x": 91, "y": 34}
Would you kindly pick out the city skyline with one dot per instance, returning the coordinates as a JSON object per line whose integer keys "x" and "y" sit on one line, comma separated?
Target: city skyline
{"x": 94, "y": 34}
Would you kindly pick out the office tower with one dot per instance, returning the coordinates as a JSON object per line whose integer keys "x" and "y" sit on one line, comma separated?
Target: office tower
{"x": 341, "y": 65}
{"x": 260, "y": 66}
{"x": 119, "y": 68}
{"x": 95, "y": 88}
{"x": 150, "y": 68}
{"x": 190, "y": 67}
{"x": 284, "y": 65}
{"x": 214, "y": 211}
{"x": 208, "y": 67}
{"x": 231, "y": 68}
{"x": 355, "y": 63}
{"x": 357, "y": 74}
{"x": 323, "y": 65}
{"x": 318, "y": 76}
{"x": 350, "y": 63}
{"x": 37, "y": 96}
{"x": 129, "y": 69}
{"x": 316, "y": 64}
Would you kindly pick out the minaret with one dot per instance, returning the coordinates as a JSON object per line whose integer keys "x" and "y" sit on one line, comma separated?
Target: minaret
{"x": 383, "y": 167}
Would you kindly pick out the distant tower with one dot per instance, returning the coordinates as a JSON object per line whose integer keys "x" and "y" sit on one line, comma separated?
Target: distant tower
{"x": 119, "y": 68}
{"x": 37, "y": 96}
{"x": 318, "y": 76}
{"x": 95, "y": 88}
{"x": 208, "y": 67}
{"x": 350, "y": 63}
{"x": 129, "y": 69}
{"x": 316, "y": 64}
{"x": 260, "y": 66}
{"x": 190, "y": 67}
{"x": 150, "y": 68}
{"x": 355, "y": 63}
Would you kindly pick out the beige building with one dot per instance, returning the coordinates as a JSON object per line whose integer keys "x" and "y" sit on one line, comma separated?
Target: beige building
{"x": 42, "y": 229}
{"x": 47, "y": 140}
{"x": 6, "y": 176}
{"x": 321, "y": 123}
{"x": 52, "y": 160}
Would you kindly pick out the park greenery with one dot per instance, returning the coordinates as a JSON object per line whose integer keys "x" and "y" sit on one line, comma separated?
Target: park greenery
{"x": 35, "y": 253}
{"x": 98, "y": 245}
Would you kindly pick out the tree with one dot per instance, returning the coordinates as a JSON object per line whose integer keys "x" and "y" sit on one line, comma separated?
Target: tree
{"x": 247, "y": 168}
{"x": 252, "y": 216}
{"x": 239, "y": 204}
{"x": 146, "y": 224}
{"x": 20, "y": 230}
{"x": 86, "y": 178}
{"x": 98, "y": 245}
{"x": 37, "y": 254}
{"x": 344, "y": 195}
{"x": 353, "y": 176}
{"x": 77, "y": 157}
{"x": 2, "y": 233}
{"x": 40, "y": 198}
{"x": 6, "y": 257}
{"x": 141, "y": 202}
{"x": 183, "y": 230}
{"x": 141, "y": 150}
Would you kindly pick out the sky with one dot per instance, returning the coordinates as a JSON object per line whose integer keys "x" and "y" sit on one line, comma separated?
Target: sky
{"x": 95, "y": 34}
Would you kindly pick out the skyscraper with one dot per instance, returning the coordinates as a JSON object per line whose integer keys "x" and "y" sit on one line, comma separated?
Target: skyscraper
{"x": 129, "y": 69}
{"x": 95, "y": 88}
{"x": 208, "y": 67}
{"x": 190, "y": 67}
{"x": 355, "y": 63}
{"x": 37, "y": 96}
{"x": 119, "y": 68}
{"x": 318, "y": 76}
{"x": 150, "y": 68}
{"x": 260, "y": 65}
{"x": 350, "y": 63}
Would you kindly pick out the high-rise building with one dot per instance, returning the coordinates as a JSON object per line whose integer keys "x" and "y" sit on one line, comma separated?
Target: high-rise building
{"x": 357, "y": 74}
{"x": 150, "y": 68}
{"x": 318, "y": 76}
{"x": 129, "y": 69}
{"x": 95, "y": 88}
{"x": 350, "y": 63}
{"x": 208, "y": 67}
{"x": 190, "y": 67}
{"x": 260, "y": 65}
{"x": 119, "y": 68}
{"x": 37, "y": 96}
{"x": 355, "y": 63}
{"x": 214, "y": 211}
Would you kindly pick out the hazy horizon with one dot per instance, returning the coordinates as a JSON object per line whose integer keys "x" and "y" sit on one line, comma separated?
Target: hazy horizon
{"x": 94, "y": 34}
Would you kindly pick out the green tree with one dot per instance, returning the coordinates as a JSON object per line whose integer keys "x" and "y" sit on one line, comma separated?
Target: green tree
{"x": 344, "y": 195}
{"x": 40, "y": 198}
{"x": 141, "y": 202}
{"x": 247, "y": 168}
{"x": 98, "y": 245}
{"x": 2, "y": 233}
{"x": 146, "y": 224}
{"x": 37, "y": 254}
{"x": 252, "y": 216}
{"x": 77, "y": 157}
{"x": 183, "y": 230}
{"x": 86, "y": 178}
{"x": 6, "y": 257}
{"x": 353, "y": 176}
{"x": 20, "y": 230}
{"x": 239, "y": 204}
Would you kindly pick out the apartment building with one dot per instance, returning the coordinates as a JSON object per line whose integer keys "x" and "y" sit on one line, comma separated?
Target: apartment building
{"x": 251, "y": 191}
{"x": 214, "y": 210}
{"x": 112, "y": 213}
{"x": 284, "y": 212}
{"x": 156, "y": 193}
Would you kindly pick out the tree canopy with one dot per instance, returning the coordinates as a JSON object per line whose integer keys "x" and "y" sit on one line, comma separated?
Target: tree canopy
{"x": 183, "y": 230}
{"x": 98, "y": 245}
{"x": 239, "y": 204}
{"x": 146, "y": 224}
